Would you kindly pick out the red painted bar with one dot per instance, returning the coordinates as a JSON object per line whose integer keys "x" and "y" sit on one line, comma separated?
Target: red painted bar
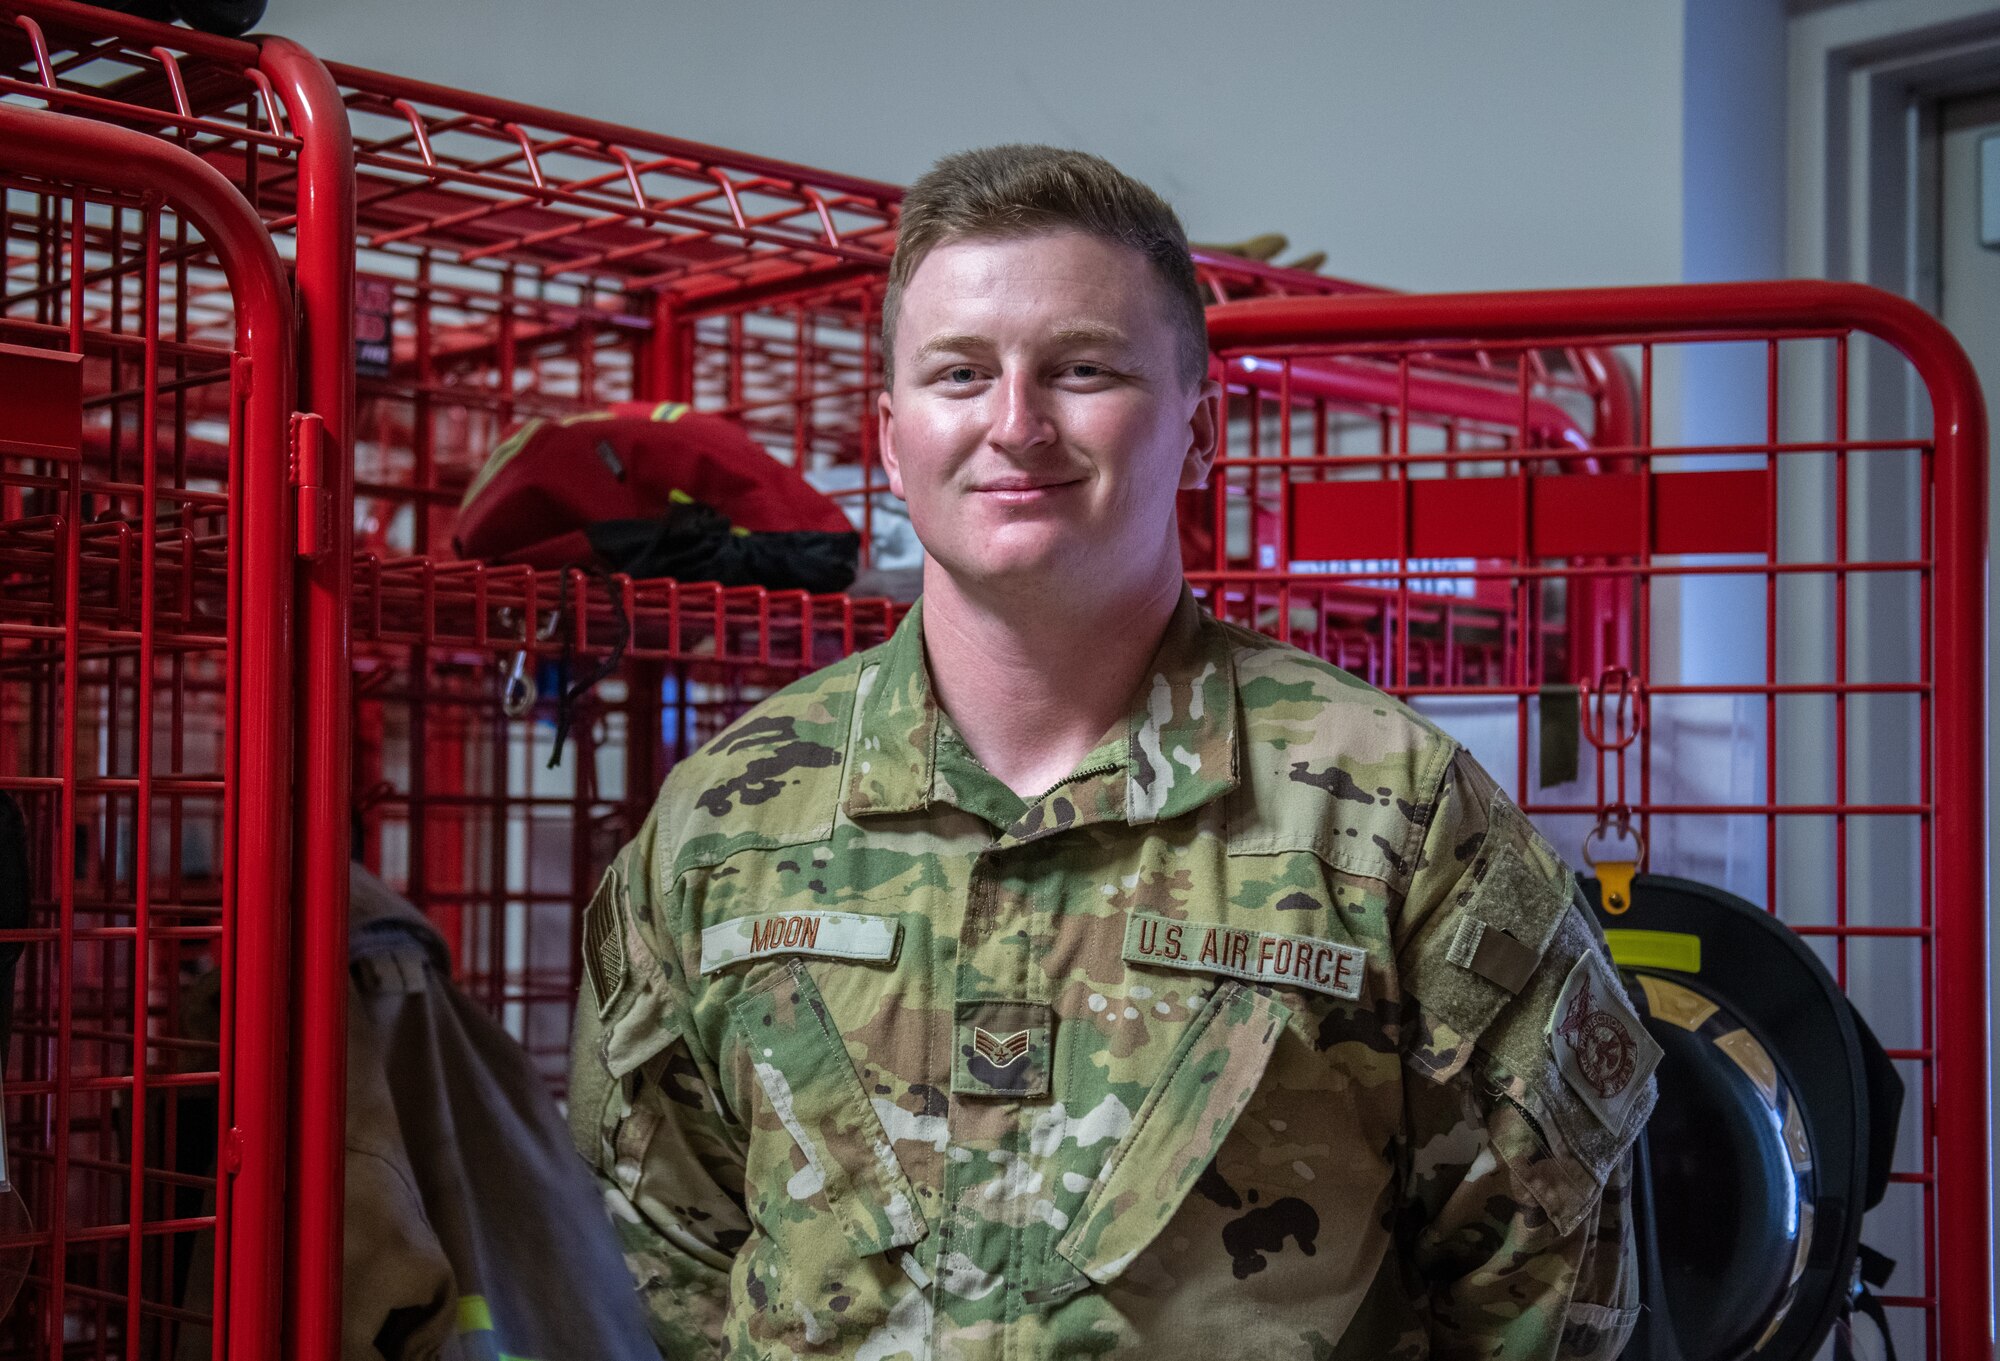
{"x": 325, "y": 672}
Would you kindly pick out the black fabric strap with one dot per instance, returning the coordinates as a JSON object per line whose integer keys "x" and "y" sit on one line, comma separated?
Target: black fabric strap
{"x": 1870, "y": 1268}
{"x": 695, "y": 542}
{"x": 1869, "y": 1307}
{"x": 575, "y": 689}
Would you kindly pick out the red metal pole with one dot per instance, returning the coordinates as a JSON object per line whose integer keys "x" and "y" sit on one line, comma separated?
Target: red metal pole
{"x": 1611, "y": 385}
{"x": 1958, "y": 798}
{"x": 1370, "y": 387}
{"x": 325, "y": 274}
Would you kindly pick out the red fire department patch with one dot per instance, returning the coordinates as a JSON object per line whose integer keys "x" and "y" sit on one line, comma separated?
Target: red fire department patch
{"x": 1599, "y": 1042}
{"x": 1603, "y": 1044}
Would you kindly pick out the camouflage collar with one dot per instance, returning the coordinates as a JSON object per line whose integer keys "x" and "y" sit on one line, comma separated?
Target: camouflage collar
{"x": 1181, "y": 746}
{"x": 892, "y": 748}
{"x": 1184, "y": 727}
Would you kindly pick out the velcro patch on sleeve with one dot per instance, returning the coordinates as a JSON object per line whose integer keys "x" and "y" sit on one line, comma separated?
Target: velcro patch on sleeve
{"x": 604, "y": 941}
{"x": 837, "y": 935}
{"x": 1493, "y": 954}
{"x": 1329, "y": 966}
{"x": 1599, "y": 1043}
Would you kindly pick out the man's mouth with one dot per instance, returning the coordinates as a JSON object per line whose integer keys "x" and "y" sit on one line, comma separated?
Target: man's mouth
{"x": 1025, "y": 490}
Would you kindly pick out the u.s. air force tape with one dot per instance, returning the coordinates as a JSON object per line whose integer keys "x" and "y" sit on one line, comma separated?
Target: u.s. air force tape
{"x": 1327, "y": 966}
{"x": 839, "y": 935}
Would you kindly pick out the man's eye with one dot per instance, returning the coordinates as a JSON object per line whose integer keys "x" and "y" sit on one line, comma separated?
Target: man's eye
{"x": 961, "y": 373}
{"x": 1087, "y": 370}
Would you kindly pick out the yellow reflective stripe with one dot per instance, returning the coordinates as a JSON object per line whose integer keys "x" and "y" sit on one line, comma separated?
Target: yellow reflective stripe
{"x": 473, "y": 1315}
{"x": 670, "y": 411}
{"x": 500, "y": 458}
{"x": 679, "y": 497}
{"x": 1674, "y": 950}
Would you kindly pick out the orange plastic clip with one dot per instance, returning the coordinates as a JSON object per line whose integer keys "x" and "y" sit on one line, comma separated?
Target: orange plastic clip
{"x": 1615, "y": 876}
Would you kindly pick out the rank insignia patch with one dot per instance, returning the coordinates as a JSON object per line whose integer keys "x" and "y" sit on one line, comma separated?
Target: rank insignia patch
{"x": 1001, "y": 1049}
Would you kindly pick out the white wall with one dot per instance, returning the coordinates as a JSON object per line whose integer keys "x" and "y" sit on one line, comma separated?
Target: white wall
{"x": 1425, "y": 144}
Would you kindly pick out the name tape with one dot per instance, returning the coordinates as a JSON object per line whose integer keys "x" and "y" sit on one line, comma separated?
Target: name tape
{"x": 838, "y": 935}
{"x": 1327, "y": 966}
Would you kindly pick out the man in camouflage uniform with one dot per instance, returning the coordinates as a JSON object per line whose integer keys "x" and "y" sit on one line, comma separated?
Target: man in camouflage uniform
{"x": 1075, "y": 975}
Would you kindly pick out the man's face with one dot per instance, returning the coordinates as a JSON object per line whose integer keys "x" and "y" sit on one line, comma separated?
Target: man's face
{"x": 1038, "y": 424}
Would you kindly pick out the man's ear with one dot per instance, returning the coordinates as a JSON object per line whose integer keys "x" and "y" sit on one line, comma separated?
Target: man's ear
{"x": 885, "y": 443}
{"x": 1204, "y": 435}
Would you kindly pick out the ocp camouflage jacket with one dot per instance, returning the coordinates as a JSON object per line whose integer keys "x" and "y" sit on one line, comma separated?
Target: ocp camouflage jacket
{"x": 1271, "y": 1032}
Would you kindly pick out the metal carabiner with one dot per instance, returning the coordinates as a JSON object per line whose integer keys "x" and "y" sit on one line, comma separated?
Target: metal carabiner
{"x": 519, "y": 692}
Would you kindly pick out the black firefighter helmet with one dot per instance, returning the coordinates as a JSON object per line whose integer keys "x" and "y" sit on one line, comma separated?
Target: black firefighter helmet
{"x": 1773, "y": 1134}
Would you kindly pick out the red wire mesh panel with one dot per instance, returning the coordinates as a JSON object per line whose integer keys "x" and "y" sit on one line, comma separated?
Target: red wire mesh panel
{"x": 1483, "y": 522}
{"x": 1296, "y": 498}
{"x": 516, "y": 263}
{"x": 519, "y": 263}
{"x": 144, "y": 734}
{"x": 1766, "y": 635}
{"x": 465, "y": 797}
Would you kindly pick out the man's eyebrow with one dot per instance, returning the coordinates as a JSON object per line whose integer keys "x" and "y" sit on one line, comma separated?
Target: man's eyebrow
{"x": 1067, "y": 337}
{"x": 1089, "y": 335}
{"x": 958, "y": 344}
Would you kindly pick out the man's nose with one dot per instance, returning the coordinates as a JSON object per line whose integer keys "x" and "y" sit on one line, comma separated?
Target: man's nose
{"x": 1021, "y": 416}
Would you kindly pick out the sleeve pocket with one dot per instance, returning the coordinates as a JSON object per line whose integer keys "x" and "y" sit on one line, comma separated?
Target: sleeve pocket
{"x": 1519, "y": 893}
{"x": 1594, "y": 1333}
{"x": 1578, "y": 1139}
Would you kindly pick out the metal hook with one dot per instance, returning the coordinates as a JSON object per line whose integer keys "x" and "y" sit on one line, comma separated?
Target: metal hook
{"x": 519, "y": 692}
{"x": 1627, "y": 719}
{"x": 518, "y": 695}
{"x": 1617, "y": 820}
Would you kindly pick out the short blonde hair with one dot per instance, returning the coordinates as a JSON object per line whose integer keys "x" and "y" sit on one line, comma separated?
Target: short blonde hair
{"x": 1012, "y": 191}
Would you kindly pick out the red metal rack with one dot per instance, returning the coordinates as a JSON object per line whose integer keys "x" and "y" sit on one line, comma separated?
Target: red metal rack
{"x": 463, "y": 263}
{"x": 145, "y": 642}
{"x": 1772, "y": 511}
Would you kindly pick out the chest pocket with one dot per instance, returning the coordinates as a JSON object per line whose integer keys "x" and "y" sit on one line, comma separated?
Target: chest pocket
{"x": 836, "y": 1164}
{"x": 1209, "y": 1080}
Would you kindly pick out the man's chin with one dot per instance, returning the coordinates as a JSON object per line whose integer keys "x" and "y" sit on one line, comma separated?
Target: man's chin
{"x": 1012, "y": 575}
